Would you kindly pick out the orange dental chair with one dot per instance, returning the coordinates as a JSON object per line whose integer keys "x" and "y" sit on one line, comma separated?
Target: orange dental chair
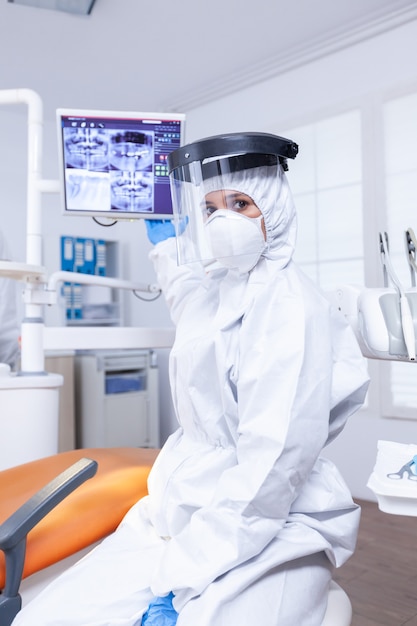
{"x": 87, "y": 493}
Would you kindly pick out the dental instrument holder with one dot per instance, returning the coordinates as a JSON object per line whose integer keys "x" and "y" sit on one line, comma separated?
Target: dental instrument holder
{"x": 411, "y": 249}
{"x": 14, "y": 530}
{"x": 399, "y": 309}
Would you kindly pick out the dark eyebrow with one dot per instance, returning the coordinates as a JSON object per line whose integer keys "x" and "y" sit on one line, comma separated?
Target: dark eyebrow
{"x": 235, "y": 194}
{"x": 229, "y": 196}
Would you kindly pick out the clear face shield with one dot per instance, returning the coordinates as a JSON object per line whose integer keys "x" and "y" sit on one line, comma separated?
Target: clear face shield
{"x": 218, "y": 199}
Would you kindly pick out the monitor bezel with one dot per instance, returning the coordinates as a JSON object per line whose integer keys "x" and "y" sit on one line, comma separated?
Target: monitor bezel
{"x": 110, "y": 216}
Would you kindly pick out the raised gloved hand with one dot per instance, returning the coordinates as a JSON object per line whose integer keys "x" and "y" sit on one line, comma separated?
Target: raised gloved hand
{"x": 160, "y": 612}
{"x": 159, "y": 230}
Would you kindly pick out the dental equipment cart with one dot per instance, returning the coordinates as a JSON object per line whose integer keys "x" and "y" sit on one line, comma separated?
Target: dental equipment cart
{"x": 116, "y": 398}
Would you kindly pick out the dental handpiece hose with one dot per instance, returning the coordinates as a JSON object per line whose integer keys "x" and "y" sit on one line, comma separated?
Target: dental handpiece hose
{"x": 408, "y": 327}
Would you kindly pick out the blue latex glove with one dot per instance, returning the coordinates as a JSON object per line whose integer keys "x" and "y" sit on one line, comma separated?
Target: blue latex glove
{"x": 160, "y": 612}
{"x": 159, "y": 230}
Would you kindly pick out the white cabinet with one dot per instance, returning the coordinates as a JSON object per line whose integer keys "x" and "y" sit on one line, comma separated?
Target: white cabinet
{"x": 62, "y": 362}
{"x": 117, "y": 399}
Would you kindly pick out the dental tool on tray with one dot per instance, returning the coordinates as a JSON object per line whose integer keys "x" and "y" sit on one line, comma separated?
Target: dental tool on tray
{"x": 406, "y": 316}
{"x": 411, "y": 247}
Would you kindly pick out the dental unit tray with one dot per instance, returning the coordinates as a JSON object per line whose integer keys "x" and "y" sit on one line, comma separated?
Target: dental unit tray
{"x": 22, "y": 271}
{"x": 394, "y": 478}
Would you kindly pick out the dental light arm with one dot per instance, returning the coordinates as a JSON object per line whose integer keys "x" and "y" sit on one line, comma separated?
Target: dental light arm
{"x": 45, "y": 292}
{"x": 405, "y": 312}
{"x": 91, "y": 279}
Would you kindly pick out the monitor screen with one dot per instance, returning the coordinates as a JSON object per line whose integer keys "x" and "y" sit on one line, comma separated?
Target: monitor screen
{"x": 114, "y": 164}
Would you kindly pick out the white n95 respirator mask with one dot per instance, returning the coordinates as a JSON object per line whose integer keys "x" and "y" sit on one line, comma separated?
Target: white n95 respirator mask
{"x": 236, "y": 241}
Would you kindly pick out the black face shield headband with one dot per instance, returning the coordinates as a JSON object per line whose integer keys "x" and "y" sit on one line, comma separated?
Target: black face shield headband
{"x": 230, "y": 153}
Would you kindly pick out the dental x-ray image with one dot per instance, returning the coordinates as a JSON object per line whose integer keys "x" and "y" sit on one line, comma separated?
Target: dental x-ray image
{"x": 114, "y": 164}
{"x": 113, "y": 169}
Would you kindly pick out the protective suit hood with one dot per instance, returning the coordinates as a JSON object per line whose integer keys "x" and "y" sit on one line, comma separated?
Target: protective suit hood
{"x": 269, "y": 189}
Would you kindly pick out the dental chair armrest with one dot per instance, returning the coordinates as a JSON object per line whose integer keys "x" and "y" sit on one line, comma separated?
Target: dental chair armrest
{"x": 17, "y": 526}
{"x": 13, "y": 531}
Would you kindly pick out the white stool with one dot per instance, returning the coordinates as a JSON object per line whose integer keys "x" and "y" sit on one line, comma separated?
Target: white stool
{"x": 339, "y": 608}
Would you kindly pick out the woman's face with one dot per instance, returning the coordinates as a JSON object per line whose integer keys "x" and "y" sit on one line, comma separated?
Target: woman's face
{"x": 231, "y": 200}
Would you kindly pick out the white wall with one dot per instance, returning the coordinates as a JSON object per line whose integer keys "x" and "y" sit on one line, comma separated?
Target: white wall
{"x": 337, "y": 81}
{"x": 359, "y": 76}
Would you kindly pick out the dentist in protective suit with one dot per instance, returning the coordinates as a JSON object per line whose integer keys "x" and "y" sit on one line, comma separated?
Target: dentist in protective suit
{"x": 244, "y": 521}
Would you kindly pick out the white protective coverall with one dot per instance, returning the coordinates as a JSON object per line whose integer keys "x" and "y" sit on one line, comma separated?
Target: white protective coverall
{"x": 9, "y": 328}
{"x": 245, "y": 520}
